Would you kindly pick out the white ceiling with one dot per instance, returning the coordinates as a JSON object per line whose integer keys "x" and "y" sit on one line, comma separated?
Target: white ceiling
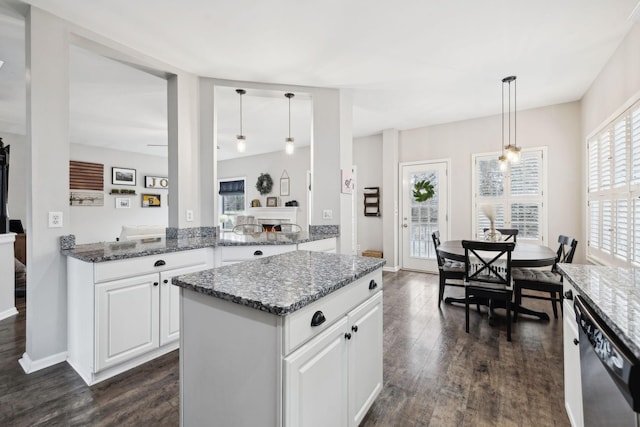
{"x": 407, "y": 63}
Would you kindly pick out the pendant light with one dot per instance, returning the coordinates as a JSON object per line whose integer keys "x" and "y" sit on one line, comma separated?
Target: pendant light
{"x": 241, "y": 144}
{"x": 288, "y": 148}
{"x": 511, "y": 151}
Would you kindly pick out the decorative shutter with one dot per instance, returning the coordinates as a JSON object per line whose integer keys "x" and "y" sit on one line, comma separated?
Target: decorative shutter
{"x": 604, "y": 160}
{"x": 526, "y": 218}
{"x": 622, "y": 229}
{"x": 636, "y": 228}
{"x": 593, "y": 165}
{"x": 635, "y": 146}
{"x": 607, "y": 225}
{"x": 490, "y": 178}
{"x": 526, "y": 175}
{"x": 620, "y": 153}
{"x": 594, "y": 224}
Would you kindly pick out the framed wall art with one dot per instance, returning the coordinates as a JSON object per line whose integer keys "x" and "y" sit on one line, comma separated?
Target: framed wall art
{"x": 151, "y": 201}
{"x": 123, "y": 176}
{"x": 156, "y": 182}
{"x": 123, "y": 203}
{"x": 272, "y": 202}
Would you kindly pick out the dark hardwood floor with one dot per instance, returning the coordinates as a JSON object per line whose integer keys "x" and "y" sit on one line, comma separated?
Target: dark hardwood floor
{"x": 434, "y": 373}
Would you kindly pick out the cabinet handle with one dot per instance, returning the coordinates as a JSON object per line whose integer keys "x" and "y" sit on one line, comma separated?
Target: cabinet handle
{"x": 347, "y": 336}
{"x": 354, "y": 328}
{"x": 372, "y": 284}
{"x": 155, "y": 283}
{"x": 159, "y": 263}
{"x": 257, "y": 253}
{"x": 318, "y": 318}
{"x": 165, "y": 281}
{"x": 575, "y": 341}
{"x": 568, "y": 295}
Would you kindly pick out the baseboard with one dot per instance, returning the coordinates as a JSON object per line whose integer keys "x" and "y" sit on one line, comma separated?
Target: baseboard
{"x": 8, "y": 313}
{"x": 30, "y": 366}
{"x": 392, "y": 269}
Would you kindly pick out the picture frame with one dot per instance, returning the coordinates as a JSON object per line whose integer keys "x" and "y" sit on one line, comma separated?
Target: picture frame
{"x": 160, "y": 182}
{"x": 272, "y": 202}
{"x": 123, "y": 203}
{"x": 151, "y": 201}
{"x": 284, "y": 186}
{"x": 123, "y": 176}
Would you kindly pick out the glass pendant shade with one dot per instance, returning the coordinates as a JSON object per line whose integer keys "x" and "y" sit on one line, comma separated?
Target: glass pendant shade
{"x": 510, "y": 151}
{"x": 503, "y": 163}
{"x": 289, "y": 147}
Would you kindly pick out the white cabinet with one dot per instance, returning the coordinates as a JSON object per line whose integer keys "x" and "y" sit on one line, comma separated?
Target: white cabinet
{"x": 296, "y": 372}
{"x": 316, "y": 392}
{"x": 127, "y": 319}
{"x": 340, "y": 369}
{"x": 572, "y": 381}
{"x": 126, "y": 312}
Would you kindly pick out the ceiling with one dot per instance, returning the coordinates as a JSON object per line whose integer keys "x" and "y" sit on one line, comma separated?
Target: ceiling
{"x": 406, "y": 63}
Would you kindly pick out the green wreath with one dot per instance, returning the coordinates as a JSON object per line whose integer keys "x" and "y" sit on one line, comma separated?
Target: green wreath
{"x": 423, "y": 191}
{"x": 264, "y": 184}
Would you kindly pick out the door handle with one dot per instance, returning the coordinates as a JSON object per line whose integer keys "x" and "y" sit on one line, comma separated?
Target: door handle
{"x": 165, "y": 281}
{"x": 405, "y": 225}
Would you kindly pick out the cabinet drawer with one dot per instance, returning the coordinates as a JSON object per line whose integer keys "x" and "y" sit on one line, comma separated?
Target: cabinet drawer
{"x": 120, "y": 269}
{"x": 230, "y": 254}
{"x": 297, "y": 326}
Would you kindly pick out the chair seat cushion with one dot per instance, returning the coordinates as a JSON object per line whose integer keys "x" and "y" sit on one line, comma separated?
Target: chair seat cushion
{"x": 533, "y": 275}
{"x": 453, "y": 266}
{"x": 488, "y": 286}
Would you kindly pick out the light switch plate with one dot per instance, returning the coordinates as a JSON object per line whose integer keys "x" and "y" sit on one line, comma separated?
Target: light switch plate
{"x": 55, "y": 219}
{"x": 189, "y": 215}
{"x": 327, "y": 214}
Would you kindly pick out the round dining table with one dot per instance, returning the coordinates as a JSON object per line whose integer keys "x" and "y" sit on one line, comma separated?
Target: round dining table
{"x": 524, "y": 255}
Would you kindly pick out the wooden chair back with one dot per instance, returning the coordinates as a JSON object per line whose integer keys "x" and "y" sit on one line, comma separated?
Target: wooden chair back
{"x": 435, "y": 236}
{"x": 488, "y": 262}
{"x": 566, "y": 250}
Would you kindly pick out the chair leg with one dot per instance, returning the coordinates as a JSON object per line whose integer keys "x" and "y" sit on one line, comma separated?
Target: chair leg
{"x": 517, "y": 302}
{"x": 466, "y": 310}
{"x": 441, "y": 290}
{"x": 508, "y": 304}
{"x": 553, "y": 302}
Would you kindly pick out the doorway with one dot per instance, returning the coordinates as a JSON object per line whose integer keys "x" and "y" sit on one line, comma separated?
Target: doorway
{"x": 420, "y": 219}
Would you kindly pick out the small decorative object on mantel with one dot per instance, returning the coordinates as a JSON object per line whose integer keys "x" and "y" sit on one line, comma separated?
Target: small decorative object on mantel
{"x": 491, "y": 235}
{"x": 272, "y": 202}
{"x": 264, "y": 184}
{"x": 284, "y": 184}
{"x": 371, "y": 201}
{"x": 255, "y": 203}
{"x": 423, "y": 191}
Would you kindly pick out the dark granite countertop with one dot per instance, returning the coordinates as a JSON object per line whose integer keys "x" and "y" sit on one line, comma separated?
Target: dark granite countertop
{"x": 614, "y": 294}
{"x": 111, "y": 251}
{"x": 281, "y": 284}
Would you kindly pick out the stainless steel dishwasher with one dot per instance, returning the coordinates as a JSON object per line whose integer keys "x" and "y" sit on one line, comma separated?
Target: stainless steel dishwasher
{"x": 610, "y": 373}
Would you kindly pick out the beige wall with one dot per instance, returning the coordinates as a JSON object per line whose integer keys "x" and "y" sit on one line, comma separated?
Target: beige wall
{"x": 367, "y": 156}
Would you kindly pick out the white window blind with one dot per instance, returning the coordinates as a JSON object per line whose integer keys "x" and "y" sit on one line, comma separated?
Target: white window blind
{"x": 517, "y": 194}
{"x": 613, "y": 156}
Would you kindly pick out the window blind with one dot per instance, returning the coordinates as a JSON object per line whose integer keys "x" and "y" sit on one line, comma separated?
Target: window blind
{"x": 232, "y": 188}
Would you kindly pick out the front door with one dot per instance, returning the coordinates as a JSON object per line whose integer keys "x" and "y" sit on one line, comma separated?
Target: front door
{"x": 419, "y": 220}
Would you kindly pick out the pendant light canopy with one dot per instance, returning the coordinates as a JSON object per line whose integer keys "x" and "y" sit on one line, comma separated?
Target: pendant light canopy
{"x": 511, "y": 151}
{"x": 241, "y": 143}
{"x": 289, "y": 147}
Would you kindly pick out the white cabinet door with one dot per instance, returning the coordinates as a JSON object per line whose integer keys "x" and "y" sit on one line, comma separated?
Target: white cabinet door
{"x": 365, "y": 357}
{"x": 127, "y": 319}
{"x": 316, "y": 381}
{"x": 572, "y": 382}
{"x": 170, "y": 303}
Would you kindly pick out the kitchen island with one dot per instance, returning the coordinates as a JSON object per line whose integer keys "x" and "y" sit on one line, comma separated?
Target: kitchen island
{"x": 288, "y": 340}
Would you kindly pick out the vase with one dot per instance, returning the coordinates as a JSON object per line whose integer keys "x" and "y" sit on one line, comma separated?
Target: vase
{"x": 492, "y": 235}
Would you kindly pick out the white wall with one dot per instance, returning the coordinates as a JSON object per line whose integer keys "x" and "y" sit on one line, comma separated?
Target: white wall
{"x": 274, "y": 164}
{"x": 103, "y": 223}
{"x": 17, "y": 175}
{"x": 367, "y": 156}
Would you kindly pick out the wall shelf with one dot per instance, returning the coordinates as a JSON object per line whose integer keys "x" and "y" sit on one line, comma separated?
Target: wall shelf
{"x": 371, "y": 201}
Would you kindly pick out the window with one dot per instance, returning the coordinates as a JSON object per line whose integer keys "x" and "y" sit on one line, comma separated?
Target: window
{"x": 231, "y": 201}
{"x": 517, "y": 194}
{"x": 613, "y": 156}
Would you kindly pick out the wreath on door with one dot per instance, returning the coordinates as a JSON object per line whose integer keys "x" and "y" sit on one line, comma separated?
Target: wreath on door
{"x": 423, "y": 191}
{"x": 264, "y": 184}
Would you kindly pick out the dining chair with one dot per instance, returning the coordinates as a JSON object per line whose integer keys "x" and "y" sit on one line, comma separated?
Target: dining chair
{"x": 543, "y": 280}
{"x": 447, "y": 269}
{"x": 488, "y": 275}
{"x": 507, "y": 233}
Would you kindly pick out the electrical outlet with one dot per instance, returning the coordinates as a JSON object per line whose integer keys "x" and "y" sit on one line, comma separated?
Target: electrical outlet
{"x": 327, "y": 214}
{"x": 189, "y": 215}
{"x": 55, "y": 219}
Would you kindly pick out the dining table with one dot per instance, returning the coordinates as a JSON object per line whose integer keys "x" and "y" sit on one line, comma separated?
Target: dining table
{"x": 525, "y": 254}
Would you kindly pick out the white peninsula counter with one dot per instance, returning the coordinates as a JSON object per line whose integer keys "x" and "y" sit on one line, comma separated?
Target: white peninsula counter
{"x": 288, "y": 340}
